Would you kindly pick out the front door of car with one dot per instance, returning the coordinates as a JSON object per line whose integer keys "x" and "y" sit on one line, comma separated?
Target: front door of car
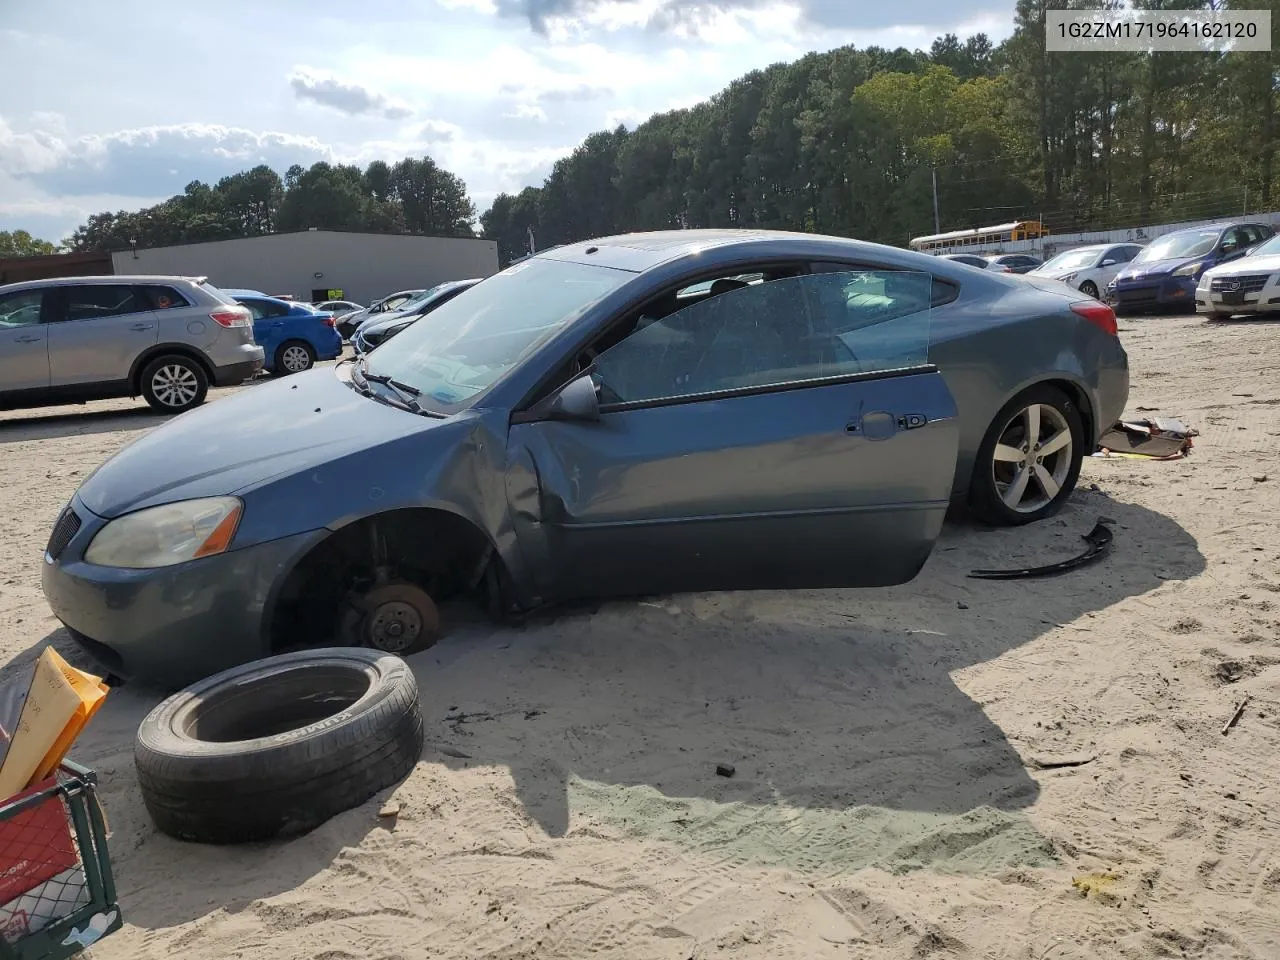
{"x": 99, "y": 330}
{"x": 24, "y": 341}
{"x": 784, "y": 434}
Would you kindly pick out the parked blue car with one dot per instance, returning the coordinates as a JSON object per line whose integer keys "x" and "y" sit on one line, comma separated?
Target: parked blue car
{"x": 292, "y": 335}
{"x": 1167, "y": 270}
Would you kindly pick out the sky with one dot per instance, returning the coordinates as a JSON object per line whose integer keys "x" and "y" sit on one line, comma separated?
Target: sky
{"x": 116, "y": 105}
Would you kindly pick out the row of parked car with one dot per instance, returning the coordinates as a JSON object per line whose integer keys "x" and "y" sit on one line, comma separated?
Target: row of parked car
{"x": 1221, "y": 269}
{"x": 367, "y": 327}
{"x": 166, "y": 339}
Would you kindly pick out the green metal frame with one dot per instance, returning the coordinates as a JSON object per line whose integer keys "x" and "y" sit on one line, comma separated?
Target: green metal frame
{"x": 78, "y": 787}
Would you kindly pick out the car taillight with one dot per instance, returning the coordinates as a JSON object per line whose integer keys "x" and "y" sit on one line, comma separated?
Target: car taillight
{"x": 1099, "y": 314}
{"x": 231, "y": 317}
{"x": 329, "y": 321}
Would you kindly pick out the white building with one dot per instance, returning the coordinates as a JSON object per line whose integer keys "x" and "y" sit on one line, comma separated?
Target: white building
{"x": 320, "y": 264}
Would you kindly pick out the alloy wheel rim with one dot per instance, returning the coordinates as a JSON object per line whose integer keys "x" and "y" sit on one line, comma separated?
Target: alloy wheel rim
{"x": 295, "y": 359}
{"x": 1032, "y": 458}
{"x": 175, "y": 385}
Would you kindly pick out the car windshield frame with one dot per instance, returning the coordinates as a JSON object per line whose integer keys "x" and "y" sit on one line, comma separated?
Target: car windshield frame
{"x": 1058, "y": 262}
{"x": 555, "y": 292}
{"x": 1148, "y": 254}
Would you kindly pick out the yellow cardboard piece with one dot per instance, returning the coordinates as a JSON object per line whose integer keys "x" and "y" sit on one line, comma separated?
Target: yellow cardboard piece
{"x": 60, "y": 701}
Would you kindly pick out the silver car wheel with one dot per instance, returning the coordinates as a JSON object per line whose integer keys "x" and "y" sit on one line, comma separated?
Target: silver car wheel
{"x": 1032, "y": 458}
{"x": 175, "y": 385}
{"x": 295, "y": 359}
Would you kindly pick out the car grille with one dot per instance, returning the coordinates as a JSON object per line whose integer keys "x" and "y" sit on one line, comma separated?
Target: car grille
{"x": 64, "y": 530}
{"x": 1137, "y": 294}
{"x": 1250, "y": 284}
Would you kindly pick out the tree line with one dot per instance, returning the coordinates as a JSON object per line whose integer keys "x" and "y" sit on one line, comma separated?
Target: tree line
{"x": 848, "y": 142}
{"x": 851, "y": 142}
{"x": 411, "y": 196}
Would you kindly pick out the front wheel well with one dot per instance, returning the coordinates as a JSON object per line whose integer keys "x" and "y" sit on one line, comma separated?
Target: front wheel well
{"x": 440, "y": 551}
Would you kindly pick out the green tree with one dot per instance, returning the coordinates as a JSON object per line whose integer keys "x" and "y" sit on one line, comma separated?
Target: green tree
{"x": 19, "y": 243}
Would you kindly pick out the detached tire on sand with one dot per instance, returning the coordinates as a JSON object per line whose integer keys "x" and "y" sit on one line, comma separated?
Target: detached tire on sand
{"x": 276, "y": 747}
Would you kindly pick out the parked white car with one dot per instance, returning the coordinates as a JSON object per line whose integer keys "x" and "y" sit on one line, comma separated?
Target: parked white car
{"x": 1088, "y": 269}
{"x": 1248, "y": 285}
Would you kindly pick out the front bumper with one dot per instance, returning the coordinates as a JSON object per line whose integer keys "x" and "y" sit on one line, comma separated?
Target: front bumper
{"x": 1151, "y": 293}
{"x": 172, "y": 625}
{"x": 1250, "y": 296}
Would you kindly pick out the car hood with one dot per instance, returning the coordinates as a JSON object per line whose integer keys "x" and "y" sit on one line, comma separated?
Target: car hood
{"x": 1154, "y": 268}
{"x": 387, "y": 320}
{"x": 1247, "y": 267}
{"x": 265, "y": 431}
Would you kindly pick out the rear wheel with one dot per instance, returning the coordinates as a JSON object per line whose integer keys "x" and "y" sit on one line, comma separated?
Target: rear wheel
{"x": 174, "y": 384}
{"x": 1029, "y": 460}
{"x": 294, "y": 356}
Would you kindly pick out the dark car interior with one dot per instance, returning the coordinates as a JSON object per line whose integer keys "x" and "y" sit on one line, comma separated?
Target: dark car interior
{"x": 724, "y": 334}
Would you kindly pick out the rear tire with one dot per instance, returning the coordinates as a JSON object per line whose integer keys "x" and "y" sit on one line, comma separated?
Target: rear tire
{"x": 174, "y": 384}
{"x": 249, "y": 754}
{"x": 294, "y": 356}
{"x": 1015, "y": 481}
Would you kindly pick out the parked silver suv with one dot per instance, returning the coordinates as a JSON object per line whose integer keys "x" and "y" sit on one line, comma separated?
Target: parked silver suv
{"x": 75, "y": 339}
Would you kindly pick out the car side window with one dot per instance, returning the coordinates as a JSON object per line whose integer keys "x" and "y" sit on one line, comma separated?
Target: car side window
{"x": 256, "y": 308}
{"x": 20, "y": 309}
{"x": 773, "y": 333}
{"x": 95, "y": 301}
{"x": 162, "y": 297}
{"x": 1121, "y": 254}
{"x": 943, "y": 291}
{"x": 1234, "y": 239}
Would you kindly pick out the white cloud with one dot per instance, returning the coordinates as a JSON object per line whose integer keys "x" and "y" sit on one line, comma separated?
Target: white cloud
{"x": 350, "y": 98}
{"x": 627, "y": 117}
{"x": 527, "y": 111}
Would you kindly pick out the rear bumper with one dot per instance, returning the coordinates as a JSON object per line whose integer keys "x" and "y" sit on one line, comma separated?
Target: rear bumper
{"x": 329, "y": 348}
{"x": 231, "y": 374}
{"x": 172, "y": 625}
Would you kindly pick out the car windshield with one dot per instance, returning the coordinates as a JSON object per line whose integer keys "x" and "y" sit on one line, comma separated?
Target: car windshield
{"x": 417, "y": 298}
{"x": 1176, "y": 245}
{"x": 1272, "y": 246}
{"x": 471, "y": 341}
{"x": 1072, "y": 260}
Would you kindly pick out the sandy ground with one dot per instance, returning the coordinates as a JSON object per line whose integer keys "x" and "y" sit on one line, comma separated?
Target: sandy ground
{"x": 895, "y": 794}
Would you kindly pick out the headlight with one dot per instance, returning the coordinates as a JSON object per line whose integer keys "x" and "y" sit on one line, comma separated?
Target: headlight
{"x": 163, "y": 536}
{"x": 1189, "y": 270}
{"x": 1069, "y": 278}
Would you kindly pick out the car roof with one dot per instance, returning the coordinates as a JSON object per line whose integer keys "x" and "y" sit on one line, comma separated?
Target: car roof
{"x": 639, "y": 252}
{"x": 250, "y": 295}
{"x": 103, "y": 278}
{"x": 1225, "y": 225}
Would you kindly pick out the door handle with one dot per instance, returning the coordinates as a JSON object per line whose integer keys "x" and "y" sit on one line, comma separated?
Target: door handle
{"x": 143, "y": 326}
{"x": 29, "y": 339}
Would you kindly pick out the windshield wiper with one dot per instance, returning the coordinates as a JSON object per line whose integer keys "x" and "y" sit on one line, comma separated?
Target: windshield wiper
{"x": 407, "y": 393}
